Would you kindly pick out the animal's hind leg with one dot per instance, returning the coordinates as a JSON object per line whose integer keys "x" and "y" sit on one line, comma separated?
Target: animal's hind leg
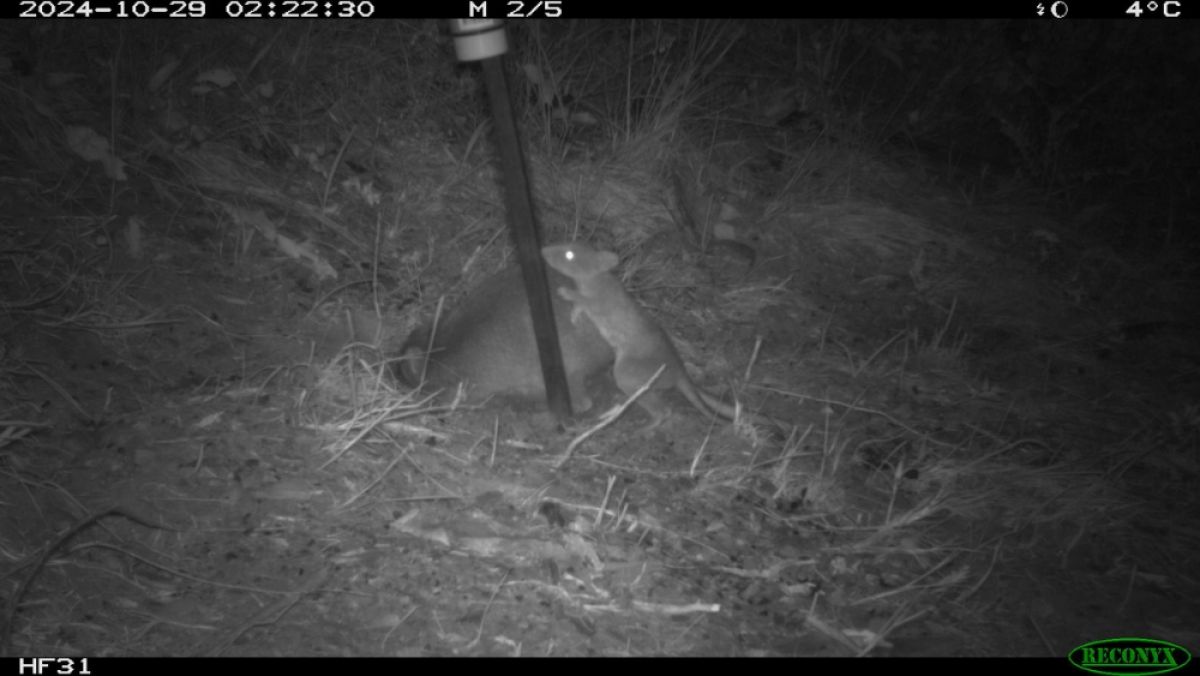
{"x": 652, "y": 403}
{"x": 630, "y": 375}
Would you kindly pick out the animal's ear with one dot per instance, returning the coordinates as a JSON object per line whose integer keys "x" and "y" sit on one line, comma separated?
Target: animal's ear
{"x": 606, "y": 260}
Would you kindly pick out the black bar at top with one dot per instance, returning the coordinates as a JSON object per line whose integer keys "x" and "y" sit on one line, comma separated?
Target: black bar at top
{"x": 515, "y": 10}
{"x": 795, "y": 9}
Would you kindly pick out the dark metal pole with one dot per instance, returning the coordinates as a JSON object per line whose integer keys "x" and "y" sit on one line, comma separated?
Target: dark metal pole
{"x": 522, "y": 222}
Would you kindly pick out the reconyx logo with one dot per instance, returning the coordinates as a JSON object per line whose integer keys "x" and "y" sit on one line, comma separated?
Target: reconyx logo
{"x": 1129, "y": 657}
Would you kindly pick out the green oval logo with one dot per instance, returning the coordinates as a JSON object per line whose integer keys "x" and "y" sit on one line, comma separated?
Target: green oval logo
{"x": 1129, "y": 657}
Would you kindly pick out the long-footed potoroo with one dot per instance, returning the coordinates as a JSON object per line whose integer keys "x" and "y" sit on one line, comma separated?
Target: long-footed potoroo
{"x": 487, "y": 344}
{"x": 640, "y": 344}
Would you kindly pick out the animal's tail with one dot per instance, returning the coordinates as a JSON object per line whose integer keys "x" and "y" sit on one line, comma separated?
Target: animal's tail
{"x": 710, "y": 404}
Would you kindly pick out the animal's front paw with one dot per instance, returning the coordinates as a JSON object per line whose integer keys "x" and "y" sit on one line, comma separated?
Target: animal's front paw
{"x": 581, "y": 403}
{"x": 578, "y": 316}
